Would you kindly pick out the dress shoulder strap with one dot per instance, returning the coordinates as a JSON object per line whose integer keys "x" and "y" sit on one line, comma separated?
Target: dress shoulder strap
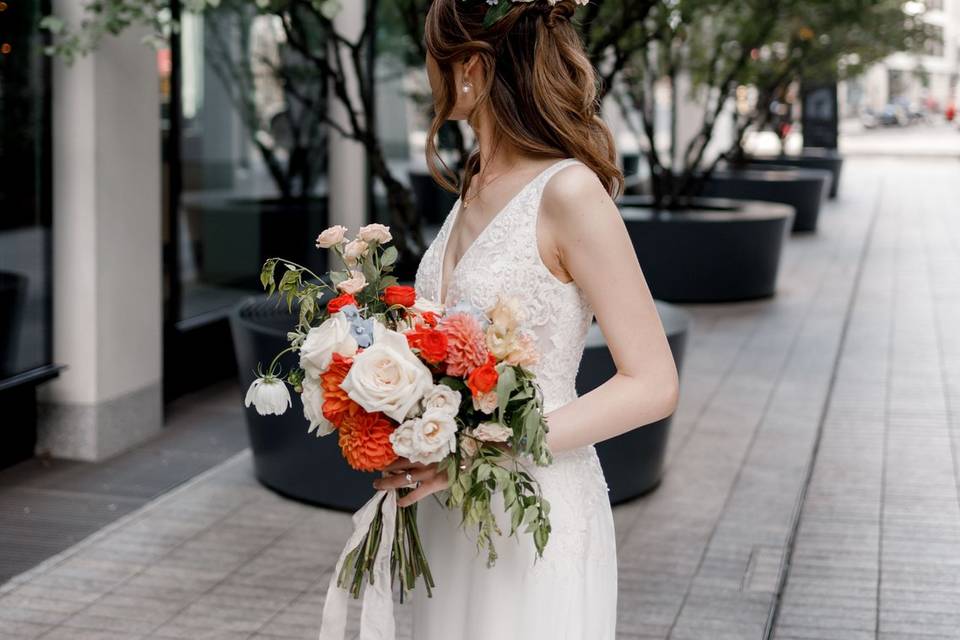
{"x": 552, "y": 170}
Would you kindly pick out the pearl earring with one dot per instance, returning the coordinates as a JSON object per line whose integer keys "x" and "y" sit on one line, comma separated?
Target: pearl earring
{"x": 466, "y": 87}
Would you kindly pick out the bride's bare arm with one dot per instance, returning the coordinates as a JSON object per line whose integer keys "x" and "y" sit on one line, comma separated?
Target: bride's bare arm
{"x": 582, "y": 236}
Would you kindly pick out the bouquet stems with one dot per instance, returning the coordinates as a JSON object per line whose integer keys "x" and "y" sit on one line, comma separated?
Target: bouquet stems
{"x": 407, "y": 558}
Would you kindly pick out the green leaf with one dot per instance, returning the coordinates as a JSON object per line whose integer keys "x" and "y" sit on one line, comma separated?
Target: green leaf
{"x": 389, "y": 256}
{"x": 495, "y": 13}
{"x": 506, "y": 383}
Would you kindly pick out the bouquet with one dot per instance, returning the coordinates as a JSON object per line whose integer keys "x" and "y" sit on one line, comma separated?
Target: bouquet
{"x": 390, "y": 375}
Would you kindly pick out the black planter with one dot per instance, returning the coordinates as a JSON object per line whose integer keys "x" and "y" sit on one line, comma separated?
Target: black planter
{"x": 810, "y": 158}
{"x": 285, "y": 458}
{"x": 234, "y": 236}
{"x": 632, "y": 462}
{"x": 13, "y": 298}
{"x": 432, "y": 201}
{"x": 802, "y": 189}
{"x": 720, "y": 251}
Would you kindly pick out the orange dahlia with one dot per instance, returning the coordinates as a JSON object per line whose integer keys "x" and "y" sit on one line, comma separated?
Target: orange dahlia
{"x": 466, "y": 345}
{"x": 365, "y": 441}
{"x": 336, "y": 404}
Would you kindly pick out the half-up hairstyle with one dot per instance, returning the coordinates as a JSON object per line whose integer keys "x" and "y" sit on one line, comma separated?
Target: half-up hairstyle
{"x": 539, "y": 84}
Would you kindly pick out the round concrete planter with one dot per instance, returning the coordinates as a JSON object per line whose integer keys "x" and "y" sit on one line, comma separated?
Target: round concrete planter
{"x": 719, "y": 251}
{"x": 632, "y": 462}
{"x": 811, "y": 158}
{"x": 285, "y": 458}
{"x": 802, "y": 189}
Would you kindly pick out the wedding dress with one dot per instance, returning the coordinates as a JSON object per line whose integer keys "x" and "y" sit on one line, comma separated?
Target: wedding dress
{"x": 571, "y": 593}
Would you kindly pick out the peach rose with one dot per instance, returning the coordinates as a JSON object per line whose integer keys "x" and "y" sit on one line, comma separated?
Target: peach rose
{"x": 331, "y": 236}
{"x": 354, "y": 284}
{"x": 486, "y": 402}
{"x": 354, "y": 250}
{"x": 379, "y": 233}
{"x": 492, "y": 432}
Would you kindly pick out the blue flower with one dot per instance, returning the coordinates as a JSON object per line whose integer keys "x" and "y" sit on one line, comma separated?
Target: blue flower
{"x": 362, "y": 331}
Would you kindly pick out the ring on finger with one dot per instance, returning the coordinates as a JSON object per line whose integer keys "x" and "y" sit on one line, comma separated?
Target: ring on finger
{"x": 408, "y": 478}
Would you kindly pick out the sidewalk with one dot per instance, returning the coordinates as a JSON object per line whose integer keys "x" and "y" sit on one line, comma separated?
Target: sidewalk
{"x": 811, "y": 490}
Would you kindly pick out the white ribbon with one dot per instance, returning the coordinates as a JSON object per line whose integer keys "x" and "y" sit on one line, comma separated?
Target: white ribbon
{"x": 376, "y": 614}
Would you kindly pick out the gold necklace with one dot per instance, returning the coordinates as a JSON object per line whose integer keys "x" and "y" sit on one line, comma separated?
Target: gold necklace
{"x": 476, "y": 194}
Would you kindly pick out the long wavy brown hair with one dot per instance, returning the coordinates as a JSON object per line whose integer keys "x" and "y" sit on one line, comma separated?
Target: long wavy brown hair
{"x": 539, "y": 85}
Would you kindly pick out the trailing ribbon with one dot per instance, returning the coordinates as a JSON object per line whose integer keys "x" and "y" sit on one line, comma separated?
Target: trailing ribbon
{"x": 376, "y": 614}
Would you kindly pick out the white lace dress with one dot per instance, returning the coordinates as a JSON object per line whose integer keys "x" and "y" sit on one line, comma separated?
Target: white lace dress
{"x": 572, "y": 592}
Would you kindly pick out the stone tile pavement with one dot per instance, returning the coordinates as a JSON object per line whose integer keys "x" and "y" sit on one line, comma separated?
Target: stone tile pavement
{"x": 811, "y": 489}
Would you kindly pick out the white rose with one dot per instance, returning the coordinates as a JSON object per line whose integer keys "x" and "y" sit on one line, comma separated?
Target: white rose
{"x": 312, "y": 397}
{"x": 354, "y": 251}
{"x": 492, "y": 432}
{"x": 375, "y": 233}
{"x": 434, "y": 436}
{"x": 443, "y": 398}
{"x": 333, "y": 336}
{"x": 486, "y": 402}
{"x": 269, "y": 396}
{"x": 354, "y": 284}
{"x": 331, "y": 236}
{"x": 388, "y": 377}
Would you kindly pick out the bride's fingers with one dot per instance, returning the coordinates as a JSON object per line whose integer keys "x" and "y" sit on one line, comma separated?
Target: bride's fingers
{"x": 398, "y": 480}
{"x": 436, "y": 483}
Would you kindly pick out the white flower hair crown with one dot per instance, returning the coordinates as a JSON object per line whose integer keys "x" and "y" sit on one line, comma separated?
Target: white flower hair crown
{"x": 499, "y": 8}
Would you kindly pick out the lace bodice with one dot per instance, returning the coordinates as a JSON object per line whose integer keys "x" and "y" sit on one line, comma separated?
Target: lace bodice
{"x": 504, "y": 260}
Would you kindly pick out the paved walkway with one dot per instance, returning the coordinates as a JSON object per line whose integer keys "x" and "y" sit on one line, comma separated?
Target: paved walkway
{"x": 811, "y": 489}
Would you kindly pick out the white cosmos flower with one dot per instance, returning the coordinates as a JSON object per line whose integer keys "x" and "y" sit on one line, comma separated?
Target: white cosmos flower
{"x": 269, "y": 396}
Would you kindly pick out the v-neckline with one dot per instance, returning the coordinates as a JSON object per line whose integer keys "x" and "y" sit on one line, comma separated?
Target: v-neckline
{"x": 453, "y": 220}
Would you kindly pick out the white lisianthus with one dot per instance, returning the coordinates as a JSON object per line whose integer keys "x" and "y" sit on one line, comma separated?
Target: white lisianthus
{"x": 387, "y": 376}
{"x": 353, "y": 251}
{"x": 354, "y": 284}
{"x": 402, "y": 440}
{"x": 427, "y": 439}
{"x": 312, "y": 398}
{"x": 332, "y": 336}
{"x": 443, "y": 398}
{"x": 375, "y": 232}
{"x": 331, "y": 236}
{"x": 269, "y": 396}
{"x": 492, "y": 432}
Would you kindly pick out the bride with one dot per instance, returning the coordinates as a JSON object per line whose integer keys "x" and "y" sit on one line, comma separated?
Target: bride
{"x": 535, "y": 220}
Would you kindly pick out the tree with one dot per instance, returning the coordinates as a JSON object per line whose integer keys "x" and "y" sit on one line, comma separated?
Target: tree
{"x": 711, "y": 42}
{"x": 819, "y": 41}
{"x": 324, "y": 55}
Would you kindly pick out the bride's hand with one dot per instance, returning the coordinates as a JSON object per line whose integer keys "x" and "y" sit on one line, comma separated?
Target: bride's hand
{"x": 404, "y": 473}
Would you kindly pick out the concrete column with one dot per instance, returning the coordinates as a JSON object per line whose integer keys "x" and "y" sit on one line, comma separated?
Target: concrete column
{"x": 347, "y": 173}
{"x": 107, "y": 264}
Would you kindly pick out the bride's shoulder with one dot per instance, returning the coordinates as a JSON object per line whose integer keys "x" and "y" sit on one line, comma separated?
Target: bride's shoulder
{"x": 572, "y": 190}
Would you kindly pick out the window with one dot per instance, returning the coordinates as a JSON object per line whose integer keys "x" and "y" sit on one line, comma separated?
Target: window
{"x": 25, "y": 265}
